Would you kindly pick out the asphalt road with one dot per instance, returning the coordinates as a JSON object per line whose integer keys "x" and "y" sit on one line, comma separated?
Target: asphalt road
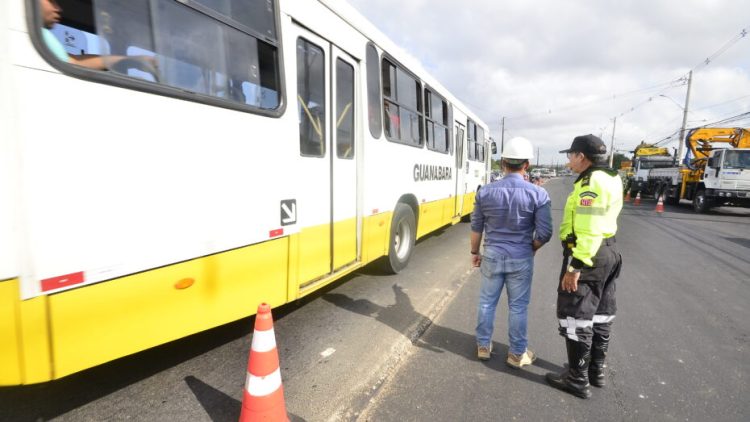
{"x": 395, "y": 348}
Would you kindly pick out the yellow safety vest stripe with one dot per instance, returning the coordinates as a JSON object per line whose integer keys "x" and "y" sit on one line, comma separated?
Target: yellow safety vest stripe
{"x": 591, "y": 213}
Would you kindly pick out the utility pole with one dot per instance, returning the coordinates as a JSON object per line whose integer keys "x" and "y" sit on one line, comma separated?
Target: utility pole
{"x": 537, "y": 156}
{"x": 502, "y": 137}
{"x": 684, "y": 118}
{"x": 612, "y": 144}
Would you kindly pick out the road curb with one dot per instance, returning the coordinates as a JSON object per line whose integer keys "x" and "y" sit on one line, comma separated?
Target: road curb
{"x": 360, "y": 402}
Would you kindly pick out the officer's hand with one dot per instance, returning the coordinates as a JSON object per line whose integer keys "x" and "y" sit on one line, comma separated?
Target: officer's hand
{"x": 476, "y": 260}
{"x": 570, "y": 282}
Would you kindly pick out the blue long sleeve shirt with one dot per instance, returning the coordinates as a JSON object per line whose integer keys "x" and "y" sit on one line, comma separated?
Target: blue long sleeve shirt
{"x": 512, "y": 213}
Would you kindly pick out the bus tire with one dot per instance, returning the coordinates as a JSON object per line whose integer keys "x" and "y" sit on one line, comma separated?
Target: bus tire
{"x": 402, "y": 238}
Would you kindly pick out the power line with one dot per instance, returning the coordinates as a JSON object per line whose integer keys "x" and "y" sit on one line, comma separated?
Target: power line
{"x": 724, "y": 48}
{"x": 743, "y": 33}
{"x": 732, "y": 119}
{"x": 663, "y": 86}
{"x": 722, "y": 103}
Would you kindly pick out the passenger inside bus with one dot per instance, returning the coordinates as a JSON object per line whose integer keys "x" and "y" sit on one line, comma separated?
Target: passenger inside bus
{"x": 392, "y": 122}
{"x": 195, "y": 47}
{"x": 51, "y": 14}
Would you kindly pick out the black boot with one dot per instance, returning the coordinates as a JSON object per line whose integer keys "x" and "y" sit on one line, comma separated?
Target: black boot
{"x": 599, "y": 347}
{"x": 575, "y": 380}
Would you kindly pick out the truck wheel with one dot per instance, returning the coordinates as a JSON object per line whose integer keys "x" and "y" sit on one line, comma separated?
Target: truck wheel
{"x": 658, "y": 191}
{"x": 671, "y": 195}
{"x": 402, "y": 238}
{"x": 700, "y": 202}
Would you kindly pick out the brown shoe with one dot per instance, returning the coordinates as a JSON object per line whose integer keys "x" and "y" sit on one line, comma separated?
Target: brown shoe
{"x": 484, "y": 352}
{"x": 519, "y": 361}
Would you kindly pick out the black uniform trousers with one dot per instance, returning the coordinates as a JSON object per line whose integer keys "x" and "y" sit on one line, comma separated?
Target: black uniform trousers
{"x": 590, "y": 310}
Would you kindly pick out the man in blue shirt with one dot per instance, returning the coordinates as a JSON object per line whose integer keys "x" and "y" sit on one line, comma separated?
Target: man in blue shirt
{"x": 51, "y": 15}
{"x": 514, "y": 216}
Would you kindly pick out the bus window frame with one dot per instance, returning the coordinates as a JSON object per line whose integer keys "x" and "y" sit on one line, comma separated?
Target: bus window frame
{"x": 326, "y": 89}
{"x": 449, "y": 111}
{"x": 471, "y": 134}
{"x": 376, "y": 132}
{"x": 420, "y": 99}
{"x": 34, "y": 26}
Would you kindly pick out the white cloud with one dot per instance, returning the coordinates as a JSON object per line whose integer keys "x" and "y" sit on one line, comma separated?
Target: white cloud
{"x": 555, "y": 65}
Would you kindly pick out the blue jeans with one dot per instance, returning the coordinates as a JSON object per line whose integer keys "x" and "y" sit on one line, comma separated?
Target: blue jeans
{"x": 498, "y": 271}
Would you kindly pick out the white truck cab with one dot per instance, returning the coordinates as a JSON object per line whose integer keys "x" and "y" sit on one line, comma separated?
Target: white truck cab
{"x": 727, "y": 176}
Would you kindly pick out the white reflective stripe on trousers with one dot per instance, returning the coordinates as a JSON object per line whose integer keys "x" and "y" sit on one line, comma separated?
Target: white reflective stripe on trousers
{"x": 601, "y": 319}
{"x": 571, "y": 324}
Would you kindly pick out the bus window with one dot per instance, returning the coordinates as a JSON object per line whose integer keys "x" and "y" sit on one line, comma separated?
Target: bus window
{"x": 479, "y": 144}
{"x": 211, "y": 47}
{"x": 402, "y": 105}
{"x": 344, "y": 109}
{"x": 459, "y": 146}
{"x": 392, "y": 120}
{"x": 373, "y": 91}
{"x": 471, "y": 142}
{"x": 256, "y": 15}
{"x": 311, "y": 98}
{"x": 436, "y": 116}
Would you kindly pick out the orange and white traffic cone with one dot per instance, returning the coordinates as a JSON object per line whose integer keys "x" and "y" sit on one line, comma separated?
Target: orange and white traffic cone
{"x": 263, "y": 398}
{"x": 637, "y": 199}
{"x": 627, "y": 196}
{"x": 660, "y": 205}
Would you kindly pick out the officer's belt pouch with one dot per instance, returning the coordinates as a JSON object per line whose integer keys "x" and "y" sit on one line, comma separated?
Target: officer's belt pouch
{"x": 619, "y": 265}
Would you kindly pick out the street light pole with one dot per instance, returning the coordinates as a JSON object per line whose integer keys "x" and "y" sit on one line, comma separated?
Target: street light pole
{"x": 684, "y": 117}
{"x": 612, "y": 145}
{"x": 502, "y": 137}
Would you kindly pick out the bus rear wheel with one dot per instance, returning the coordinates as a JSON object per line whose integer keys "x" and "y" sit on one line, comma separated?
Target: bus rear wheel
{"x": 402, "y": 239}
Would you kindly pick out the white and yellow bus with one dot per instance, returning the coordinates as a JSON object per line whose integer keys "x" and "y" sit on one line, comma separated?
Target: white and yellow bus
{"x": 230, "y": 152}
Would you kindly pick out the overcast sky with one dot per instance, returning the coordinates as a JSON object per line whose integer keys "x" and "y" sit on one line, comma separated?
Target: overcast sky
{"x": 561, "y": 68}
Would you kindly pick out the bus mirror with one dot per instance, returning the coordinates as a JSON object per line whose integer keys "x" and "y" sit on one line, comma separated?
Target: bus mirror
{"x": 712, "y": 161}
{"x": 494, "y": 147}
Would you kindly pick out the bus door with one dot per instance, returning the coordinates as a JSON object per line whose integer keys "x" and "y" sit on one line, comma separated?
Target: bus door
{"x": 326, "y": 79}
{"x": 344, "y": 79}
{"x": 460, "y": 174}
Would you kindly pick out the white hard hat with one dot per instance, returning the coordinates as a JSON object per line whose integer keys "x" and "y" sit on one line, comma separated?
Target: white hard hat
{"x": 518, "y": 148}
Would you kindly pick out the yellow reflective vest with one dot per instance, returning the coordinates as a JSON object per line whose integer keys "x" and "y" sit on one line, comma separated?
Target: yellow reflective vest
{"x": 591, "y": 212}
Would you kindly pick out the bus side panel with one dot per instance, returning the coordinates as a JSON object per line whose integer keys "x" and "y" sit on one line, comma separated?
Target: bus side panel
{"x": 431, "y": 217}
{"x": 24, "y": 355}
{"x": 345, "y": 242}
{"x": 375, "y": 236}
{"x": 314, "y": 252}
{"x": 10, "y": 358}
{"x": 469, "y": 203}
{"x": 109, "y": 320}
{"x": 449, "y": 209}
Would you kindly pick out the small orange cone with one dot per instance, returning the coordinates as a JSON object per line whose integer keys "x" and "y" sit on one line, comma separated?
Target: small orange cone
{"x": 637, "y": 199}
{"x": 660, "y": 205}
{"x": 627, "y": 196}
{"x": 263, "y": 398}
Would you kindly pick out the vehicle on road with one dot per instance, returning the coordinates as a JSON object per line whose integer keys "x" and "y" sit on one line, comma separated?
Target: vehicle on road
{"x": 715, "y": 171}
{"x": 161, "y": 197}
{"x": 645, "y": 158}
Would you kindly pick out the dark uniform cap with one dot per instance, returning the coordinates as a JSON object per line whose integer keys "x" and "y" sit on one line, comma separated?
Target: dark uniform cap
{"x": 587, "y": 144}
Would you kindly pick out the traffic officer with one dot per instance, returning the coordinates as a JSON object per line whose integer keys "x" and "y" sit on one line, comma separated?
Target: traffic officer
{"x": 591, "y": 263}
